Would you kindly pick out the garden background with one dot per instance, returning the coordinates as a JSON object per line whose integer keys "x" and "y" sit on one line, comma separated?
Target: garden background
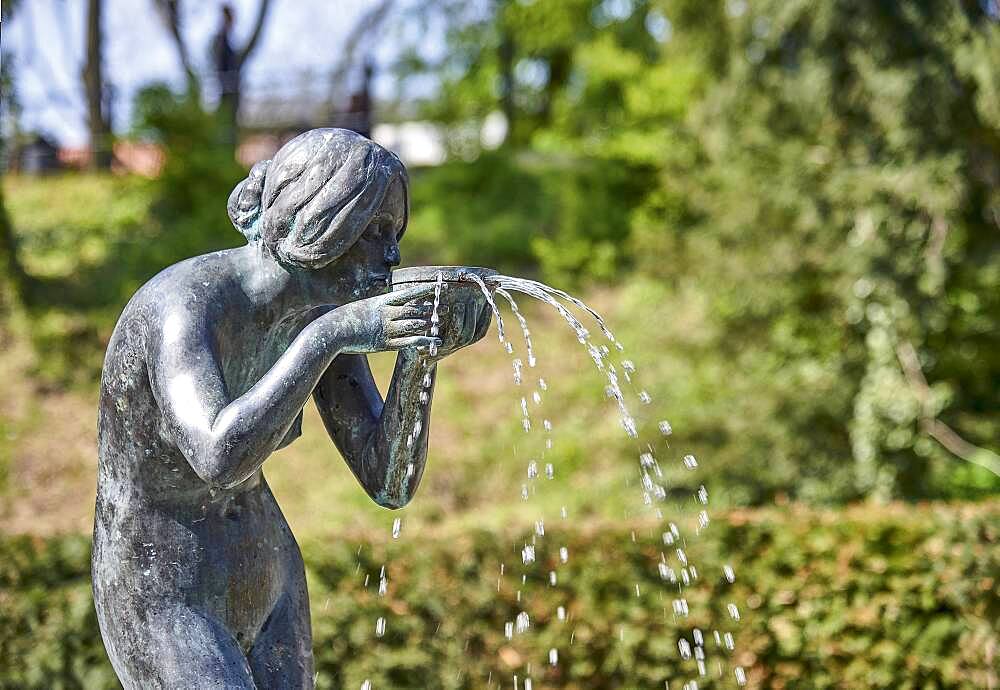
{"x": 788, "y": 211}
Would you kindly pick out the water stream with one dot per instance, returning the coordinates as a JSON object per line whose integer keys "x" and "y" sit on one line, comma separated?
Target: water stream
{"x": 675, "y": 567}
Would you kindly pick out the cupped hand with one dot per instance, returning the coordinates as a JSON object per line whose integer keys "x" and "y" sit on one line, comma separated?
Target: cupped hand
{"x": 393, "y": 321}
{"x": 466, "y": 324}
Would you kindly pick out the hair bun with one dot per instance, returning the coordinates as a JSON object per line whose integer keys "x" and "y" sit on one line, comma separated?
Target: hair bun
{"x": 244, "y": 204}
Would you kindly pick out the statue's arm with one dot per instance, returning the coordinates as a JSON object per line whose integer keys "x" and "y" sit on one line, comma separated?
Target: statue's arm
{"x": 227, "y": 440}
{"x": 374, "y": 435}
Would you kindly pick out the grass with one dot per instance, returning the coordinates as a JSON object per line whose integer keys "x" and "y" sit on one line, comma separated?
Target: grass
{"x": 79, "y": 236}
{"x": 477, "y": 464}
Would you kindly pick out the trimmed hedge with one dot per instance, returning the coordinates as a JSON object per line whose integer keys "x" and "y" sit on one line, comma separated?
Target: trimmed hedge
{"x": 899, "y": 596}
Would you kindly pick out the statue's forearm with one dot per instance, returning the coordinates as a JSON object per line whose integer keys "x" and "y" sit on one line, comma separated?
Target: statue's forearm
{"x": 398, "y": 446}
{"x": 228, "y": 447}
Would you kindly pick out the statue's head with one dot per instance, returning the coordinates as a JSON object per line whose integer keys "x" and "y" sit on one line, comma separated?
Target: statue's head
{"x": 332, "y": 204}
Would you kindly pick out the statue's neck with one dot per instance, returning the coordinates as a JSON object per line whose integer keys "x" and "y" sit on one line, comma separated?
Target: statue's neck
{"x": 280, "y": 293}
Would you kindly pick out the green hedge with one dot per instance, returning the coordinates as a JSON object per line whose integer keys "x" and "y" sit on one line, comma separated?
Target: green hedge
{"x": 900, "y": 597}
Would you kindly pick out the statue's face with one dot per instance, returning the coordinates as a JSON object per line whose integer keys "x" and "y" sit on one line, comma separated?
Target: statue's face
{"x": 365, "y": 270}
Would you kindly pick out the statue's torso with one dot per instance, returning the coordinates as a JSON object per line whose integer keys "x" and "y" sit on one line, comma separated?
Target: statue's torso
{"x": 160, "y": 530}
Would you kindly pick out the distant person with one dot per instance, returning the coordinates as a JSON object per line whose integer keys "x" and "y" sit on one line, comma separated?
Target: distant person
{"x": 226, "y": 62}
{"x": 360, "y": 107}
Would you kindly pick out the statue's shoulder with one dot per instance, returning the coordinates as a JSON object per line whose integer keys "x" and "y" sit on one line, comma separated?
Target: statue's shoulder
{"x": 186, "y": 287}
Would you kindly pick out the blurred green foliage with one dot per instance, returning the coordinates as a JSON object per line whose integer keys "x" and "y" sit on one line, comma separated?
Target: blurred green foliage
{"x": 876, "y": 597}
{"x": 847, "y": 223}
{"x": 793, "y": 209}
{"x": 821, "y": 181}
{"x": 89, "y": 241}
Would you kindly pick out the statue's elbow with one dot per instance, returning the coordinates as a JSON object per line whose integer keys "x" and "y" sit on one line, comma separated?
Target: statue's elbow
{"x": 391, "y": 500}
{"x": 219, "y": 471}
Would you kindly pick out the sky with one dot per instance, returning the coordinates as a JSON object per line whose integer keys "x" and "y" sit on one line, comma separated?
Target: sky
{"x": 300, "y": 43}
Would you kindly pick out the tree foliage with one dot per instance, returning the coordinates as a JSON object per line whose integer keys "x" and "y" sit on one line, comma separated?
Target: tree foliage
{"x": 823, "y": 178}
{"x": 848, "y": 223}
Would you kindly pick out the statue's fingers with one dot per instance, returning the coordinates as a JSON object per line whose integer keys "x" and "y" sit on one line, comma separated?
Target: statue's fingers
{"x": 406, "y": 327}
{"x": 469, "y": 323}
{"x": 483, "y": 322}
{"x": 410, "y": 311}
{"x": 420, "y": 342}
{"x": 409, "y": 294}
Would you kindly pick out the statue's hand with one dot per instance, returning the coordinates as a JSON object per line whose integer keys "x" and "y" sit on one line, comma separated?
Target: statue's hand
{"x": 392, "y": 321}
{"x": 465, "y": 324}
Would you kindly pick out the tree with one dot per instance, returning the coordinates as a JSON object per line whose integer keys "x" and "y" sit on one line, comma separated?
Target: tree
{"x": 14, "y": 277}
{"x": 229, "y": 71}
{"x": 847, "y": 226}
{"x": 98, "y": 118}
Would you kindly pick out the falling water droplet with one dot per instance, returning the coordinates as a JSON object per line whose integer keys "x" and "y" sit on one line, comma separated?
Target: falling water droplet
{"x": 541, "y": 384}
{"x": 730, "y": 643}
{"x": 684, "y": 648}
{"x": 690, "y": 462}
{"x": 528, "y": 554}
{"x": 681, "y": 607}
{"x": 522, "y": 623}
{"x": 561, "y": 613}
{"x": 645, "y": 398}
{"x": 536, "y": 397}
{"x": 367, "y": 685}
{"x": 508, "y": 630}
{"x": 380, "y": 627}
{"x": 741, "y": 675}
{"x": 540, "y": 528}
{"x": 665, "y": 428}
{"x": 397, "y": 525}
{"x": 727, "y": 570}
{"x": 698, "y": 638}
{"x": 703, "y": 495}
{"x": 734, "y": 612}
{"x": 552, "y": 578}
{"x": 553, "y": 656}
{"x": 629, "y": 425}
{"x": 550, "y": 471}
{"x": 563, "y": 554}
{"x": 532, "y": 469}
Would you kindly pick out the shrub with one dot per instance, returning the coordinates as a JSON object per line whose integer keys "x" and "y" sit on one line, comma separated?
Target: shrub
{"x": 894, "y": 597}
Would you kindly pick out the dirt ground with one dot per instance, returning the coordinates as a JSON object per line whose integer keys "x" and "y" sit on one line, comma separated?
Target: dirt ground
{"x": 50, "y": 448}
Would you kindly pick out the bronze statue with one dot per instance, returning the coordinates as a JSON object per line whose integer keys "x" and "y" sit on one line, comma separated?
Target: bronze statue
{"x": 198, "y": 581}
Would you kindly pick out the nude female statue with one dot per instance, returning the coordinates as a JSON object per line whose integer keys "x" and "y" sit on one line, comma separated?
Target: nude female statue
{"x": 198, "y": 581}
